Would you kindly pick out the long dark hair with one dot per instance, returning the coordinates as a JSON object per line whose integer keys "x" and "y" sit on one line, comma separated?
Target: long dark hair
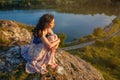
{"x": 42, "y": 24}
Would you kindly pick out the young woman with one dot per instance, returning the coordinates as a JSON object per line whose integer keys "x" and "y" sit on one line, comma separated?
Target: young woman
{"x": 40, "y": 52}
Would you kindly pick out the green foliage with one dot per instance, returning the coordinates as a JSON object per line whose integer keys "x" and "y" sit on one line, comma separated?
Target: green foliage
{"x": 104, "y": 55}
{"x": 82, "y": 39}
{"x": 29, "y": 28}
{"x": 110, "y": 44}
{"x": 90, "y": 37}
{"x": 107, "y": 76}
{"x": 114, "y": 27}
{"x": 3, "y": 41}
{"x": 98, "y": 32}
{"x": 116, "y": 20}
{"x": 116, "y": 39}
{"x": 87, "y": 38}
{"x": 62, "y": 37}
{"x": 99, "y": 42}
{"x": 61, "y": 5}
{"x": 76, "y": 42}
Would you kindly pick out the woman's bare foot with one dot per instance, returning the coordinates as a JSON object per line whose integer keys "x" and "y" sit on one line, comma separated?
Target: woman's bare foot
{"x": 54, "y": 66}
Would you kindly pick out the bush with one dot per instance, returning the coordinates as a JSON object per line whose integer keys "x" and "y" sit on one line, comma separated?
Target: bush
{"x": 116, "y": 20}
{"x": 111, "y": 45}
{"x": 62, "y": 37}
{"x": 99, "y": 42}
{"x": 90, "y": 37}
{"x": 82, "y": 39}
{"x": 3, "y": 42}
{"x": 113, "y": 62}
{"x": 98, "y": 32}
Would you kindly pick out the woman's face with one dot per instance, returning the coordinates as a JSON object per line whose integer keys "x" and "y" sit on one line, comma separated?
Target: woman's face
{"x": 52, "y": 24}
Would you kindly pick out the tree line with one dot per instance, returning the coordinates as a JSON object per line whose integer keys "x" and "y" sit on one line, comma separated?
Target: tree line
{"x": 41, "y": 3}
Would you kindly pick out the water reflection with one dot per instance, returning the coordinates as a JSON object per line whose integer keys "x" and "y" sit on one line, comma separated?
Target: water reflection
{"x": 73, "y": 25}
{"x": 76, "y": 26}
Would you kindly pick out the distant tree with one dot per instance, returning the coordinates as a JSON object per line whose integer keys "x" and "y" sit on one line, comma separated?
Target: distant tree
{"x": 98, "y": 32}
{"x": 62, "y": 37}
{"x": 116, "y": 20}
{"x": 82, "y": 39}
{"x": 115, "y": 1}
{"x": 90, "y": 37}
{"x": 110, "y": 44}
{"x": 99, "y": 42}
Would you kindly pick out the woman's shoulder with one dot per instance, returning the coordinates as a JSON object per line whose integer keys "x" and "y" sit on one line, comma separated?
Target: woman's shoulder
{"x": 50, "y": 31}
{"x": 44, "y": 32}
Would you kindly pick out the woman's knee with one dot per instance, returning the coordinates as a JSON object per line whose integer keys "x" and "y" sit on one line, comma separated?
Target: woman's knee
{"x": 52, "y": 37}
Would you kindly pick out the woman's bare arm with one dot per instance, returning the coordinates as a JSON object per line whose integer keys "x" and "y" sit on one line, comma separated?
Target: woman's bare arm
{"x": 48, "y": 43}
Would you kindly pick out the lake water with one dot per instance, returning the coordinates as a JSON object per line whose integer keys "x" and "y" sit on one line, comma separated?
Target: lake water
{"x": 73, "y": 25}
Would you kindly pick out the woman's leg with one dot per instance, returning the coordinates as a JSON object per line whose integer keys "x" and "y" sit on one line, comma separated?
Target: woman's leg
{"x": 52, "y": 62}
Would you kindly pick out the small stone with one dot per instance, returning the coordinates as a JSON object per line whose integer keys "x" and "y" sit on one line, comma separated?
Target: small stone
{"x": 2, "y": 63}
{"x": 61, "y": 70}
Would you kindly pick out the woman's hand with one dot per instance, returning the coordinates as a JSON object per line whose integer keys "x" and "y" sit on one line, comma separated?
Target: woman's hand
{"x": 56, "y": 46}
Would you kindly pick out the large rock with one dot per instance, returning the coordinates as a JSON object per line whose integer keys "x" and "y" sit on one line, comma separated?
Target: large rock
{"x": 71, "y": 67}
{"x": 11, "y": 32}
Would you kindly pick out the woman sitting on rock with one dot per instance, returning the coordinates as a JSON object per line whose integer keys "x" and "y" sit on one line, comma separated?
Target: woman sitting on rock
{"x": 40, "y": 52}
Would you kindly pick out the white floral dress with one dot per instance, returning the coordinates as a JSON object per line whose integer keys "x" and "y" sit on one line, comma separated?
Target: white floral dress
{"x": 37, "y": 55}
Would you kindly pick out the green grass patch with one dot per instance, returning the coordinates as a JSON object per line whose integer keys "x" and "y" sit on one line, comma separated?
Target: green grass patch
{"x": 28, "y": 27}
{"x": 104, "y": 55}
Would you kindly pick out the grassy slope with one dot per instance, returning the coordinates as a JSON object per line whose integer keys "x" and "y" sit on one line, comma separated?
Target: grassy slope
{"x": 104, "y": 54}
